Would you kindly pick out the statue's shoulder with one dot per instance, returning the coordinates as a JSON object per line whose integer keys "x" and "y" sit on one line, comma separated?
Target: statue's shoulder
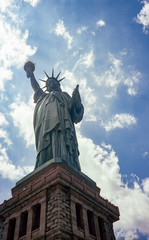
{"x": 39, "y": 94}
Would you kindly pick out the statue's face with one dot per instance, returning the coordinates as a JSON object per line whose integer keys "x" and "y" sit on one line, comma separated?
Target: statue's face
{"x": 52, "y": 85}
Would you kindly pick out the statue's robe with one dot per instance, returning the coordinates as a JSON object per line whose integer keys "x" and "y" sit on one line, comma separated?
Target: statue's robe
{"x": 55, "y": 134}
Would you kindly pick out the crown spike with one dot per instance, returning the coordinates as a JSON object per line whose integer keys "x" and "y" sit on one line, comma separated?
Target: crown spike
{"x": 58, "y": 75}
{"x": 53, "y": 72}
{"x": 46, "y": 74}
{"x": 42, "y": 80}
{"x": 61, "y": 79}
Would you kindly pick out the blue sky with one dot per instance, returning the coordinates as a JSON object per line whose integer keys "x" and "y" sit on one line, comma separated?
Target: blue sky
{"x": 102, "y": 45}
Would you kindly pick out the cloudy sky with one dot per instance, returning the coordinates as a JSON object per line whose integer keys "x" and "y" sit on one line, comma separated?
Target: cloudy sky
{"x": 102, "y": 45}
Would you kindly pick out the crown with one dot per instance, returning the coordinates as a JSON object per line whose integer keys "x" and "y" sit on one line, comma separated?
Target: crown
{"x": 52, "y": 77}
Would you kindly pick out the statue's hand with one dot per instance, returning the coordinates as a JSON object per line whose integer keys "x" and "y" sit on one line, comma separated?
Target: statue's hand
{"x": 29, "y": 72}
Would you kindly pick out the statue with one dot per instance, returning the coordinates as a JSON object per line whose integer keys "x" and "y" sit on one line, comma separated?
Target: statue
{"x": 54, "y": 117}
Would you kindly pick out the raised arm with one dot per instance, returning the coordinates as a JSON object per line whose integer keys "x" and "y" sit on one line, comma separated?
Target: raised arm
{"x": 33, "y": 80}
{"x": 29, "y": 67}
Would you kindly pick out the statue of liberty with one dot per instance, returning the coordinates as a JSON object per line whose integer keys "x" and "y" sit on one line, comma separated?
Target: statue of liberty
{"x": 54, "y": 117}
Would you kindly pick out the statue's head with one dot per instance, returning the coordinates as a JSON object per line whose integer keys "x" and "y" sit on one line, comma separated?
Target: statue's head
{"x": 52, "y": 83}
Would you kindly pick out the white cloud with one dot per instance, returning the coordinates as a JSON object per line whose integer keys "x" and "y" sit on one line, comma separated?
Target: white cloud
{"x": 93, "y": 33}
{"x": 25, "y": 123}
{"x": 123, "y": 52}
{"x": 132, "y": 91}
{"x": 4, "y": 135}
{"x": 89, "y": 100}
{"x": 75, "y": 53}
{"x": 97, "y": 78}
{"x": 100, "y": 23}
{"x": 112, "y": 77}
{"x": 133, "y": 217}
{"x": 122, "y": 120}
{"x": 143, "y": 16}
{"x": 127, "y": 234}
{"x": 3, "y": 120}
{"x": 131, "y": 81}
{"x": 117, "y": 75}
{"x": 6, "y": 74}
{"x": 13, "y": 43}
{"x": 32, "y": 2}
{"x": 9, "y": 170}
{"x": 96, "y": 90}
{"x": 10, "y": 9}
{"x": 60, "y": 30}
{"x": 86, "y": 60}
{"x": 14, "y": 49}
{"x": 5, "y": 4}
{"x": 96, "y": 105}
{"x": 101, "y": 164}
{"x": 145, "y": 185}
{"x": 71, "y": 83}
{"x": 117, "y": 63}
{"x": 3, "y": 132}
{"x": 145, "y": 154}
{"x": 82, "y": 29}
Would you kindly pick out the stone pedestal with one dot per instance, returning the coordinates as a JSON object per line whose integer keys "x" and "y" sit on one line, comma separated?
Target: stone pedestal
{"x": 55, "y": 202}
